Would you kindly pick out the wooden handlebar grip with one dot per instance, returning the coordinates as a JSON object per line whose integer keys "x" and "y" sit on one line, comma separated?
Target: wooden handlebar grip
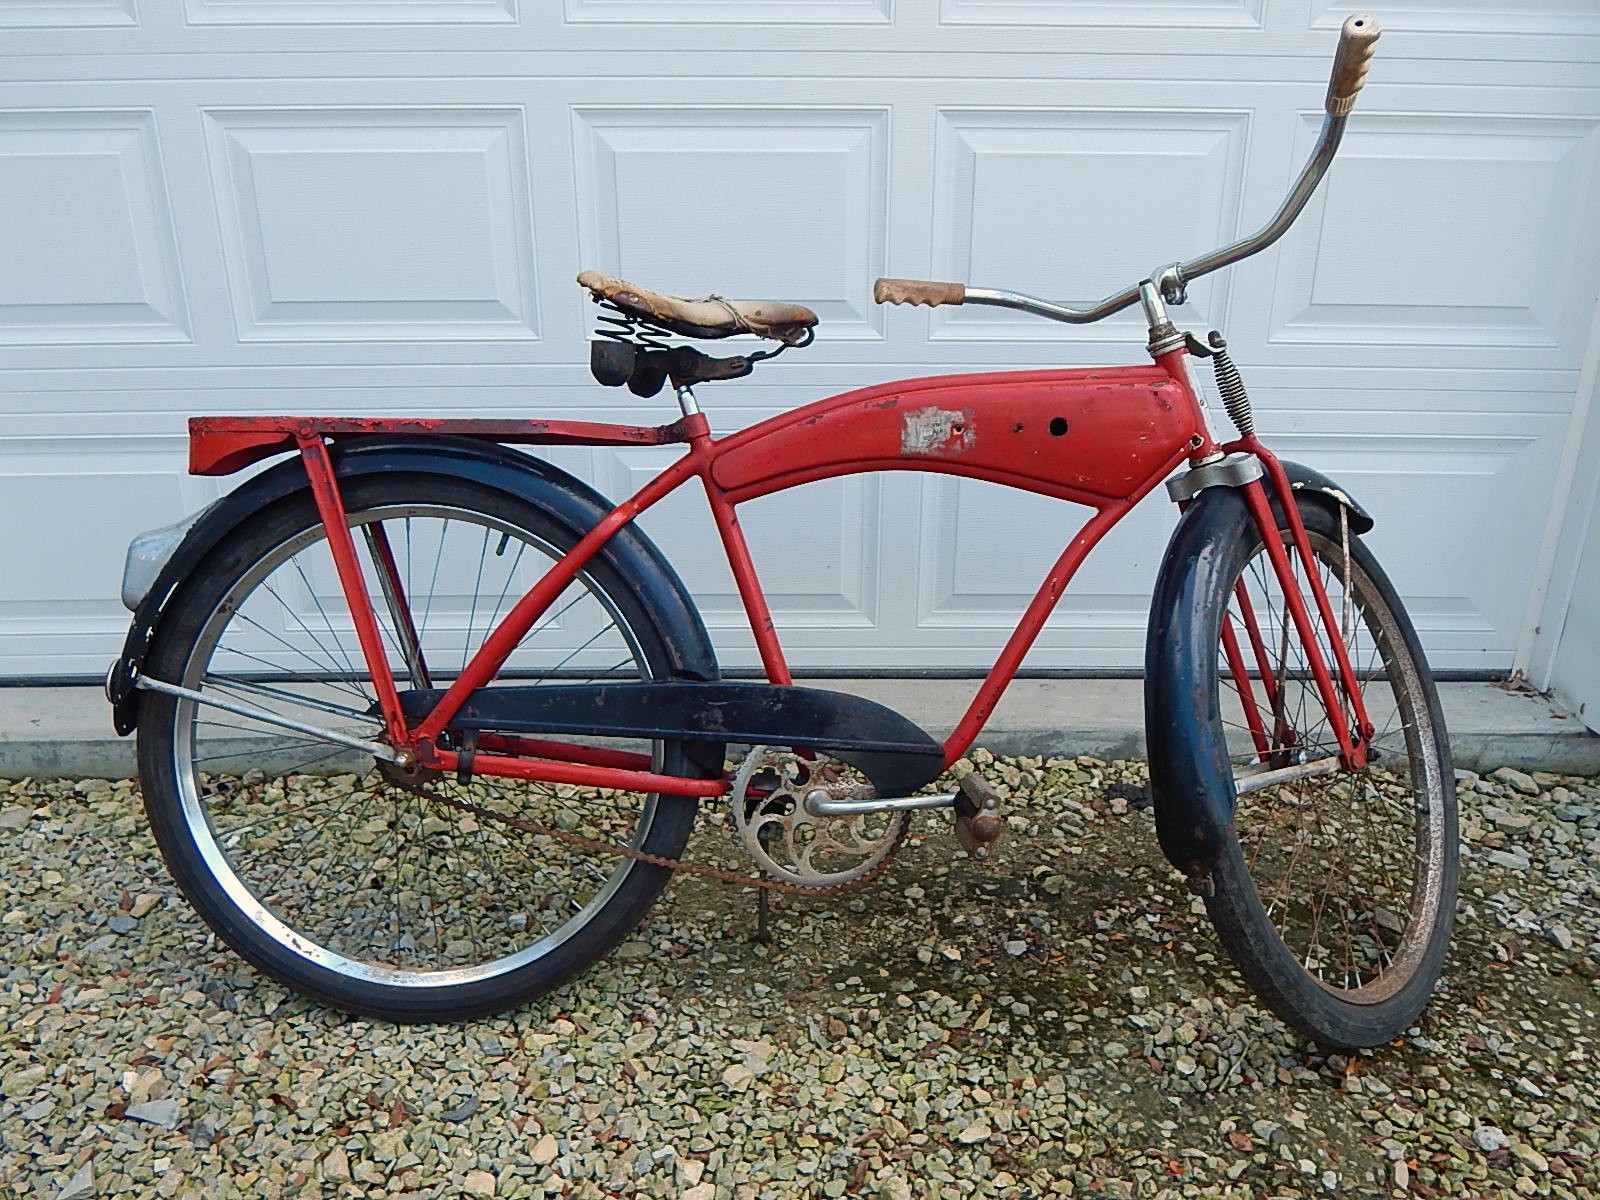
{"x": 1350, "y": 62}
{"x": 918, "y": 291}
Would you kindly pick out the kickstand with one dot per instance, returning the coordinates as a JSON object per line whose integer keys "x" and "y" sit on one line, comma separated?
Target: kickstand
{"x": 763, "y": 911}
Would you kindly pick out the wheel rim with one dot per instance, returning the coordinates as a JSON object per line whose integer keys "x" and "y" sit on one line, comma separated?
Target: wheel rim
{"x": 320, "y": 852}
{"x": 1348, "y": 867}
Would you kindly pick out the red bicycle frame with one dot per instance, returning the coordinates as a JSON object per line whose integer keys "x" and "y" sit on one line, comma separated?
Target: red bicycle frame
{"x": 1103, "y": 438}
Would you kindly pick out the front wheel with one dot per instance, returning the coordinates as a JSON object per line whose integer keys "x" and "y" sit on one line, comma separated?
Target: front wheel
{"x": 409, "y": 899}
{"x": 1334, "y": 893}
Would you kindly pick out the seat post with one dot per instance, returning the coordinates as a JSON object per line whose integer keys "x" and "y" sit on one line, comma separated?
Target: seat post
{"x": 686, "y": 400}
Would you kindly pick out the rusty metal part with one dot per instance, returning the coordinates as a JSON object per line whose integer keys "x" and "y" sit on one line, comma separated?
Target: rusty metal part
{"x": 978, "y": 823}
{"x": 775, "y": 821}
{"x": 595, "y": 846}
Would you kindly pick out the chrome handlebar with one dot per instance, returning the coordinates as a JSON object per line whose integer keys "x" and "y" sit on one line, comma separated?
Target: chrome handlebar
{"x": 1349, "y": 71}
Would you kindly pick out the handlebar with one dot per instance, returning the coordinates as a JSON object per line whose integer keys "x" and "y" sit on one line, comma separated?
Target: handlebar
{"x": 1356, "y": 40}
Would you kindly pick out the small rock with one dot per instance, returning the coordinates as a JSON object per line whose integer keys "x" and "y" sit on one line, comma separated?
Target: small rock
{"x": 16, "y": 818}
{"x": 165, "y": 1113}
{"x": 81, "y": 1184}
{"x": 978, "y": 1131}
{"x": 894, "y": 1188}
{"x": 544, "y": 1150}
{"x": 701, "y": 1191}
{"x": 122, "y": 923}
{"x": 1490, "y": 1138}
{"x": 143, "y": 904}
{"x": 462, "y": 1111}
{"x": 633, "y": 950}
{"x": 336, "y": 1164}
{"x": 1016, "y": 949}
{"x": 1510, "y": 861}
{"x": 479, "y": 1183}
{"x": 1114, "y": 1050}
{"x": 738, "y": 1077}
{"x": 1530, "y": 1158}
{"x": 1516, "y": 780}
{"x": 1561, "y": 936}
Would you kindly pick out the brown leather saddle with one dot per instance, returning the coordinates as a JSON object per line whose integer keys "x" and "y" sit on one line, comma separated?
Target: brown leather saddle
{"x": 711, "y": 317}
{"x": 630, "y": 347}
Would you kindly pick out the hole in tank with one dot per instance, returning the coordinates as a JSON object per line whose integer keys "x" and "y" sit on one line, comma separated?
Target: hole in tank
{"x": 1058, "y": 426}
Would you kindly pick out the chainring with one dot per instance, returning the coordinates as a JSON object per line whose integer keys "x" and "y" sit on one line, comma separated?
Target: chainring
{"x": 791, "y": 843}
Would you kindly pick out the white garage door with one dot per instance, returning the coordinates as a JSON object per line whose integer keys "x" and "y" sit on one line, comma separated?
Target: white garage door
{"x": 377, "y": 206}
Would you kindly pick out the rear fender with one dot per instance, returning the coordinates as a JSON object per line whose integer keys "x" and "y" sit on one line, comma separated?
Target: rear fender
{"x": 573, "y": 502}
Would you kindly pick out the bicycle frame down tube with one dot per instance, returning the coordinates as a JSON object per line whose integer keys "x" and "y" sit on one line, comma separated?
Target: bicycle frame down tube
{"x": 1033, "y": 619}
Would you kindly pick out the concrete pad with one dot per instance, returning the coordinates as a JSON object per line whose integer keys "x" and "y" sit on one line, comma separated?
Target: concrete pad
{"x": 65, "y": 732}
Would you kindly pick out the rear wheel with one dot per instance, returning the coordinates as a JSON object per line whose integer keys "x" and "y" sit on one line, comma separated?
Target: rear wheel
{"x": 1336, "y": 893}
{"x": 373, "y": 892}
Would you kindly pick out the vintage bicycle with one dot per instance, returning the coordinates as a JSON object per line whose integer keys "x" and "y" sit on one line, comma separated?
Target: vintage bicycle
{"x": 424, "y": 721}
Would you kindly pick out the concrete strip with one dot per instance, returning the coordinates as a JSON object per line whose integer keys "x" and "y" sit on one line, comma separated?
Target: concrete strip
{"x": 66, "y": 732}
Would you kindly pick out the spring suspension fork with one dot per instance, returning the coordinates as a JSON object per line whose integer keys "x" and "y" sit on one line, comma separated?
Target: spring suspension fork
{"x": 1353, "y": 734}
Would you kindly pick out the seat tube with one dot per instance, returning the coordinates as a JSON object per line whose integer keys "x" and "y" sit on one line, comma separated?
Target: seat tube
{"x": 744, "y": 576}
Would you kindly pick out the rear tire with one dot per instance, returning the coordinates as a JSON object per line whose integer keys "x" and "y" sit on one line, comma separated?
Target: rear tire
{"x": 304, "y": 856}
{"x": 1334, "y": 894}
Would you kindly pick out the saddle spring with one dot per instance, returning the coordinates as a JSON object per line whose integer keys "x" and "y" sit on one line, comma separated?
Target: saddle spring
{"x": 628, "y": 349}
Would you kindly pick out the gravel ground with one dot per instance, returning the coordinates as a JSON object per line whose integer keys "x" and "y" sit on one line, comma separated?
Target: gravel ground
{"x": 1057, "y": 1021}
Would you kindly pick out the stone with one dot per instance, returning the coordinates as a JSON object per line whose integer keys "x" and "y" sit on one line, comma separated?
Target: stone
{"x": 80, "y": 1185}
{"x": 336, "y": 1164}
{"x": 165, "y": 1113}
{"x": 1515, "y": 780}
{"x": 1510, "y": 861}
{"x": 974, "y": 1133}
{"x": 479, "y": 1183}
{"x": 1490, "y": 1138}
{"x": 1529, "y": 1157}
{"x": 544, "y": 1150}
{"x": 15, "y": 818}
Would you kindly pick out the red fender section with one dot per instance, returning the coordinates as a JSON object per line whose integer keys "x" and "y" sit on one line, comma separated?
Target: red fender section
{"x": 1090, "y": 436}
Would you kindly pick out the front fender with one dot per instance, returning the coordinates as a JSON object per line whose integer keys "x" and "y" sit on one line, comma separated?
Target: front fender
{"x": 575, "y": 503}
{"x": 1191, "y": 779}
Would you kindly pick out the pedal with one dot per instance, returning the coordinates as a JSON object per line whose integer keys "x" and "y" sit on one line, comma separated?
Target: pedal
{"x": 978, "y": 823}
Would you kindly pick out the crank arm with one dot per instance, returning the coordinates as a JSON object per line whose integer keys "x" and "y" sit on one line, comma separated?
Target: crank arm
{"x": 376, "y": 749}
{"x": 818, "y": 804}
{"x": 1254, "y": 781}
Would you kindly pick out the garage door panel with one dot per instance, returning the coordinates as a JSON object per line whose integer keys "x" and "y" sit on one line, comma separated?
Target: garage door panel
{"x": 86, "y": 235}
{"x": 731, "y": 12}
{"x": 1191, "y": 14}
{"x": 74, "y": 503}
{"x": 1497, "y": 17}
{"x": 376, "y": 224}
{"x": 65, "y": 14}
{"x": 1448, "y": 233}
{"x": 349, "y": 12}
{"x": 768, "y": 203}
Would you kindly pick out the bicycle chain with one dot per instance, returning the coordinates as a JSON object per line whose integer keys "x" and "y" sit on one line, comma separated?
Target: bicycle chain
{"x": 660, "y": 860}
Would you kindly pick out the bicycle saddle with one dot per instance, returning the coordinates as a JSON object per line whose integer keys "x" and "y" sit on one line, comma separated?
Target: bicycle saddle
{"x": 711, "y": 317}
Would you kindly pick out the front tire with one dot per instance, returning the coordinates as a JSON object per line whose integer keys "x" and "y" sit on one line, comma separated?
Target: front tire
{"x": 1334, "y": 894}
{"x": 337, "y": 879}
